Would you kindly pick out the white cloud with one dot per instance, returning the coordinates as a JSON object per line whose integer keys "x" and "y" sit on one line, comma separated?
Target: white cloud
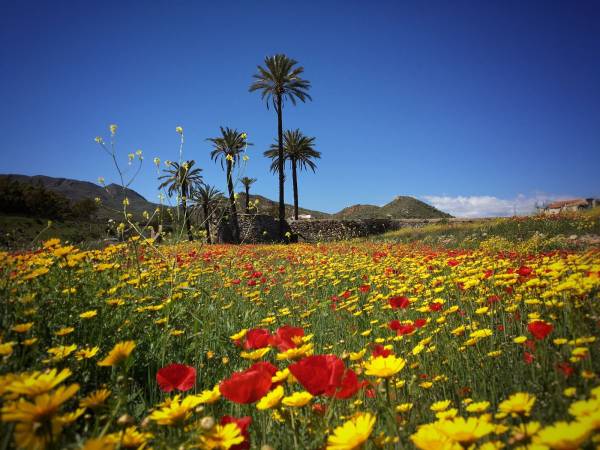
{"x": 488, "y": 206}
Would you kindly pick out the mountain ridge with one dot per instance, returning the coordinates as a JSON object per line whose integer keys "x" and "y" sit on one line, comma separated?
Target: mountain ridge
{"x": 112, "y": 195}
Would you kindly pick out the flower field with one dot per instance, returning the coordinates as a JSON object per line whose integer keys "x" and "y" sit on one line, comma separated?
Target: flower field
{"x": 337, "y": 346}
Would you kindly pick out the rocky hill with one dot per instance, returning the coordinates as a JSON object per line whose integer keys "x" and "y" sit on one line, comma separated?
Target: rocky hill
{"x": 402, "y": 207}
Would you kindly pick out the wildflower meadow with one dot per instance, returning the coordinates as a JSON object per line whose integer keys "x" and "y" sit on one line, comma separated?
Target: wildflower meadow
{"x": 357, "y": 344}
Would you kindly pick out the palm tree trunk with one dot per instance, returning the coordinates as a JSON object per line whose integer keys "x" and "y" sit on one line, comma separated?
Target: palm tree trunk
{"x": 186, "y": 219}
{"x": 233, "y": 212}
{"x": 295, "y": 183}
{"x": 206, "y": 223}
{"x": 247, "y": 199}
{"x": 280, "y": 168}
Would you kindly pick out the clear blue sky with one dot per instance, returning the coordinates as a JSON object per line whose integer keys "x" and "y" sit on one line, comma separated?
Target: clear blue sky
{"x": 457, "y": 102}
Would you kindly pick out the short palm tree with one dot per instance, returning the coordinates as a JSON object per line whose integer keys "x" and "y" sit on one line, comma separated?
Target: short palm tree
{"x": 299, "y": 151}
{"x": 208, "y": 197}
{"x": 181, "y": 179}
{"x": 247, "y": 182}
{"x": 280, "y": 80}
{"x": 228, "y": 148}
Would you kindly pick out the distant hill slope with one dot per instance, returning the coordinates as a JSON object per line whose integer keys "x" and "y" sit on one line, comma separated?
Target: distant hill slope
{"x": 111, "y": 196}
{"x": 402, "y": 207}
{"x": 270, "y": 207}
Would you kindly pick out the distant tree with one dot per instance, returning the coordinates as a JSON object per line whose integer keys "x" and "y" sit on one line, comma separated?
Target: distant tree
{"x": 277, "y": 81}
{"x": 208, "y": 197}
{"x": 84, "y": 209}
{"x": 228, "y": 148}
{"x": 247, "y": 182}
{"x": 182, "y": 180}
{"x": 299, "y": 151}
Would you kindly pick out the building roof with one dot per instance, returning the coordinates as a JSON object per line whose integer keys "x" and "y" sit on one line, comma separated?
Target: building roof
{"x": 563, "y": 203}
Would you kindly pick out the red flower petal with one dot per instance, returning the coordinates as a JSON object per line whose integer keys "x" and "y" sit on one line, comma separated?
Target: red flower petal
{"x": 176, "y": 376}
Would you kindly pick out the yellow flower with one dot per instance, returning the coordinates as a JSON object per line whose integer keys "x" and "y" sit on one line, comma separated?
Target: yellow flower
{"x": 95, "y": 399}
{"x": 256, "y": 354}
{"x": 440, "y": 406}
{"x": 446, "y": 415}
{"x": 6, "y": 348}
{"x": 358, "y": 355}
{"x": 352, "y": 434}
{"x": 271, "y": 399}
{"x": 86, "y": 353}
{"x": 118, "y": 354}
{"x": 39, "y": 382}
{"x": 239, "y": 335}
{"x": 64, "y": 331}
{"x": 101, "y": 443}
{"x": 210, "y": 395}
{"x": 584, "y": 408}
{"x": 61, "y": 352}
{"x": 41, "y": 409}
{"x": 89, "y": 314}
{"x": 384, "y": 367}
{"x": 22, "y": 327}
{"x": 130, "y": 438}
{"x": 478, "y": 407}
{"x": 518, "y": 404}
{"x": 296, "y": 352}
{"x": 179, "y": 130}
{"x": 175, "y": 411}
{"x": 113, "y": 129}
{"x": 297, "y": 399}
{"x": 429, "y": 437}
{"x": 563, "y": 435}
{"x": 465, "y": 432}
{"x": 520, "y": 339}
{"x": 404, "y": 407}
{"x": 221, "y": 437}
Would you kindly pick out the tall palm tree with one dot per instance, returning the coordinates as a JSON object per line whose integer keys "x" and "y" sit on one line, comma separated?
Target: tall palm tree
{"x": 181, "y": 179}
{"x": 208, "y": 197}
{"x": 299, "y": 151}
{"x": 247, "y": 182}
{"x": 228, "y": 147}
{"x": 278, "y": 81}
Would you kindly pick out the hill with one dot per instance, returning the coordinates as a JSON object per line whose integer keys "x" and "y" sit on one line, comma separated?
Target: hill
{"x": 111, "y": 195}
{"x": 270, "y": 207}
{"x": 402, "y": 207}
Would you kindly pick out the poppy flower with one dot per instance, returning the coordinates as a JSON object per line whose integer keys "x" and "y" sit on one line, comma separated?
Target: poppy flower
{"x": 528, "y": 357}
{"x": 420, "y": 323}
{"x": 452, "y": 262}
{"x": 176, "y": 376}
{"x": 524, "y": 271}
{"x": 287, "y": 337}
{"x": 380, "y": 350}
{"x": 399, "y": 302}
{"x": 249, "y": 385}
{"x": 243, "y": 423}
{"x": 566, "y": 369}
{"x": 348, "y": 386}
{"x": 323, "y": 374}
{"x": 435, "y": 306}
{"x": 540, "y": 329}
{"x": 257, "y": 338}
{"x": 364, "y": 288}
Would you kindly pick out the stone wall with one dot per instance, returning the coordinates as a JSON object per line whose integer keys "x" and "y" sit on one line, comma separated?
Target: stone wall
{"x": 265, "y": 229}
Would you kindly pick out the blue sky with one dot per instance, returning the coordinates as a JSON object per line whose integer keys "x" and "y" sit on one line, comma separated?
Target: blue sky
{"x": 476, "y": 107}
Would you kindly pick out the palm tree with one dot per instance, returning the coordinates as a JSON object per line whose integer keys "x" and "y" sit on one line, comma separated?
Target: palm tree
{"x": 247, "y": 182}
{"x": 208, "y": 197}
{"x": 280, "y": 80}
{"x": 299, "y": 151}
{"x": 181, "y": 179}
{"x": 228, "y": 147}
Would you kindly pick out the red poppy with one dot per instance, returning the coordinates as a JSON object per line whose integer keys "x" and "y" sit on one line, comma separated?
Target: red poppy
{"x": 364, "y": 288}
{"x": 348, "y": 386}
{"x": 540, "y": 329}
{"x": 435, "y": 306}
{"x": 399, "y": 302}
{"x": 286, "y": 337}
{"x": 452, "y": 262}
{"x": 528, "y": 357}
{"x": 257, "y": 338}
{"x": 524, "y": 271}
{"x": 493, "y": 299}
{"x": 176, "y": 376}
{"x": 319, "y": 373}
{"x": 250, "y": 385}
{"x": 243, "y": 423}
{"x": 380, "y": 350}
{"x": 401, "y": 329}
{"x": 566, "y": 369}
{"x": 420, "y": 323}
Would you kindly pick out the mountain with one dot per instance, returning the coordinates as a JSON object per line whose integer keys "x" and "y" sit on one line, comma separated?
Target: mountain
{"x": 270, "y": 207}
{"x": 402, "y": 207}
{"x": 111, "y": 195}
